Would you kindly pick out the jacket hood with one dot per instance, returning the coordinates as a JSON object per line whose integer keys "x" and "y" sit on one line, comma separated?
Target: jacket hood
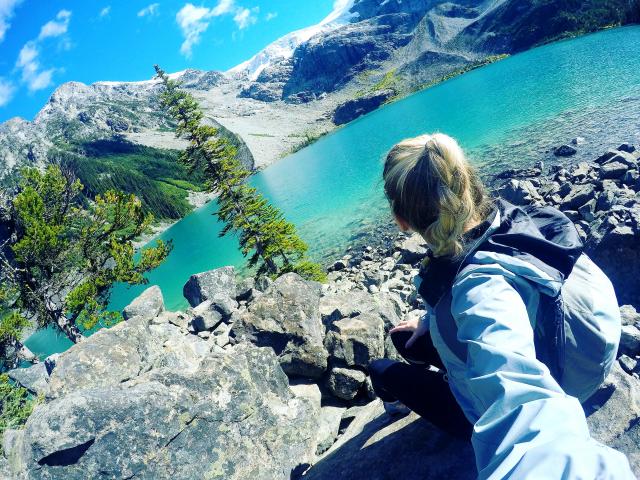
{"x": 539, "y": 243}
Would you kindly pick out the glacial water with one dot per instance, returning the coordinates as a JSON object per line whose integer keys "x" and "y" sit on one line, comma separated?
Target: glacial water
{"x": 506, "y": 114}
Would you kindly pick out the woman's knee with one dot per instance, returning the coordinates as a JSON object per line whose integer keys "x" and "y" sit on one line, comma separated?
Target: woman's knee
{"x": 378, "y": 367}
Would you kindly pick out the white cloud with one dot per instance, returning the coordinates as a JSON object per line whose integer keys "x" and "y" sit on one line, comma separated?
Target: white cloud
{"x": 28, "y": 63}
{"x": 270, "y": 16}
{"x": 223, "y": 7}
{"x": 149, "y": 10}
{"x": 245, "y": 17}
{"x": 105, "y": 11}
{"x": 7, "y": 8}
{"x": 57, "y": 27}
{"x": 194, "y": 21}
{"x": 6, "y": 91}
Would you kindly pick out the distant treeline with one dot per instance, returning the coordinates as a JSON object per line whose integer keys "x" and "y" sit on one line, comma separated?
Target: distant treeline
{"x": 153, "y": 175}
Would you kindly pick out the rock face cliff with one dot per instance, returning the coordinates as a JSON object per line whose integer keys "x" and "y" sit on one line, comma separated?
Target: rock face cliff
{"x": 267, "y": 379}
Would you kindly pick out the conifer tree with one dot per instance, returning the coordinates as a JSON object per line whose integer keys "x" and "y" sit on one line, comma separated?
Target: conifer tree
{"x": 265, "y": 236}
{"x": 64, "y": 254}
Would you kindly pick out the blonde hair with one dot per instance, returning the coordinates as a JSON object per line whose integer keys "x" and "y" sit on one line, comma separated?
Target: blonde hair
{"x": 432, "y": 187}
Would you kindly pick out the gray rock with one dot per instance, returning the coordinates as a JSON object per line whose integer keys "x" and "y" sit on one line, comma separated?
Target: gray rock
{"x": 207, "y": 285}
{"x": 329, "y": 420}
{"x": 287, "y": 318}
{"x": 232, "y": 417}
{"x": 34, "y": 378}
{"x": 613, "y": 170}
{"x": 578, "y": 196}
{"x": 614, "y": 248}
{"x": 345, "y": 383}
{"x": 309, "y": 391}
{"x": 356, "y": 341}
{"x": 335, "y": 306}
{"x": 148, "y": 304}
{"x": 628, "y": 364}
{"x": 520, "y": 192}
{"x": 412, "y": 249}
{"x": 629, "y": 315}
{"x": 378, "y": 447}
{"x": 613, "y": 412}
{"x": 626, "y": 147}
{"x": 352, "y": 109}
{"x": 630, "y": 340}
{"x": 263, "y": 283}
{"x": 205, "y": 317}
{"x": 564, "y": 151}
{"x": 244, "y": 289}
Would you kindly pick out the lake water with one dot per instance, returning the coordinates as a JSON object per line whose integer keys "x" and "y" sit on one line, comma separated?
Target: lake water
{"x": 506, "y": 114}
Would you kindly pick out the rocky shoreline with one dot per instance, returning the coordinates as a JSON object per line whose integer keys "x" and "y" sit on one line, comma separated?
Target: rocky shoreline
{"x": 267, "y": 379}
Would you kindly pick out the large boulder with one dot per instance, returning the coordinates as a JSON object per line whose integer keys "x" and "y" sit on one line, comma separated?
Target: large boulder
{"x": 204, "y": 286}
{"x": 613, "y": 413}
{"x": 376, "y": 446}
{"x": 231, "y": 415}
{"x": 338, "y": 305}
{"x": 148, "y": 305}
{"x": 286, "y": 317}
{"x": 356, "y": 341}
{"x": 34, "y": 378}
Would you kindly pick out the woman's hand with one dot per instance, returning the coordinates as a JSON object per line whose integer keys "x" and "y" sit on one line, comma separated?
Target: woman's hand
{"x": 414, "y": 325}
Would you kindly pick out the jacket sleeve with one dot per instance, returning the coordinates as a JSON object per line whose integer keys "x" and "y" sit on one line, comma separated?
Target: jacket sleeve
{"x": 530, "y": 428}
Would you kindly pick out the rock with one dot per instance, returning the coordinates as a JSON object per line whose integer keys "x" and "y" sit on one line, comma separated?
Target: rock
{"x": 148, "y": 304}
{"x": 329, "y": 421}
{"x": 34, "y": 378}
{"x": 578, "y": 141}
{"x": 224, "y": 305}
{"x": 578, "y": 196}
{"x": 626, "y": 147}
{"x": 309, "y": 391}
{"x": 352, "y": 109}
{"x": 205, "y": 317}
{"x": 587, "y": 211}
{"x": 613, "y": 170}
{"x": 345, "y": 383}
{"x": 287, "y": 318}
{"x": 630, "y": 340}
{"x": 263, "y": 283}
{"x": 206, "y": 285}
{"x": 565, "y": 151}
{"x": 231, "y": 417}
{"x": 356, "y": 341}
{"x": 244, "y": 289}
{"x": 520, "y": 192}
{"x": 628, "y": 364}
{"x": 629, "y": 315}
{"x": 378, "y": 447}
{"x": 616, "y": 252}
{"x": 335, "y": 306}
{"x": 338, "y": 265}
{"x": 612, "y": 414}
{"x": 412, "y": 249}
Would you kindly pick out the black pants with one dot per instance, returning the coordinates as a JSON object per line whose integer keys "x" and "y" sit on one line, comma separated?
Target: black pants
{"x": 423, "y": 391}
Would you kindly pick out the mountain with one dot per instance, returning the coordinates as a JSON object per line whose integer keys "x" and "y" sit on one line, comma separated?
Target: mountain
{"x": 365, "y": 53}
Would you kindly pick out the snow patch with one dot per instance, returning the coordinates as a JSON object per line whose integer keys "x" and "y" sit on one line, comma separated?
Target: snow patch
{"x": 284, "y": 47}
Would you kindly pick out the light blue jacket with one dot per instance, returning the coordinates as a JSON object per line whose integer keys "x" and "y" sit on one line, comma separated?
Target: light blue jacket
{"x": 525, "y": 425}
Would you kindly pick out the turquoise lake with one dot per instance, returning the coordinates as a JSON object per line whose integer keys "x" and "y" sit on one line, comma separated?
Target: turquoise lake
{"x": 506, "y": 114}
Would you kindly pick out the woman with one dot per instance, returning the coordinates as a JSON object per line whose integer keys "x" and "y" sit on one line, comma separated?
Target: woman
{"x": 522, "y": 322}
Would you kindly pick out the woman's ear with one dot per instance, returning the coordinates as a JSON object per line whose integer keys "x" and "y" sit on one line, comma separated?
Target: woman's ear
{"x": 402, "y": 223}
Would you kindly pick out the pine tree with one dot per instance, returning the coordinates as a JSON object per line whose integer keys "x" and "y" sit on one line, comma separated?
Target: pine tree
{"x": 64, "y": 254}
{"x": 265, "y": 236}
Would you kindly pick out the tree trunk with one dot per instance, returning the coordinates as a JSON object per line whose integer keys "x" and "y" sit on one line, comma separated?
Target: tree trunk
{"x": 70, "y": 329}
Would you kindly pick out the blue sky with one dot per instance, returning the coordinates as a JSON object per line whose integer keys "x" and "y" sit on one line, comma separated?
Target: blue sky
{"x": 44, "y": 43}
